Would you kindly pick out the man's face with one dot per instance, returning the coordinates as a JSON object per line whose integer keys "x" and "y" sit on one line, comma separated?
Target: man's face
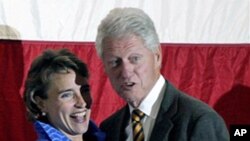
{"x": 132, "y": 68}
{"x": 65, "y": 106}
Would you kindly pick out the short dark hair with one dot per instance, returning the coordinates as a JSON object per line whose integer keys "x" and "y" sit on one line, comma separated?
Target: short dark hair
{"x": 38, "y": 78}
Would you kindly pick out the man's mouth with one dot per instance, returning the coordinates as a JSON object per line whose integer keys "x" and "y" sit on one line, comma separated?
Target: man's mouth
{"x": 128, "y": 85}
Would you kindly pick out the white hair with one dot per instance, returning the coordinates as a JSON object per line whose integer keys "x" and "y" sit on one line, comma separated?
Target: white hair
{"x": 121, "y": 22}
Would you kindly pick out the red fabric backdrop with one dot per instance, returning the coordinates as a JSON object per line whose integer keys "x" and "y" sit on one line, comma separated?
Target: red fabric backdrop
{"x": 218, "y": 74}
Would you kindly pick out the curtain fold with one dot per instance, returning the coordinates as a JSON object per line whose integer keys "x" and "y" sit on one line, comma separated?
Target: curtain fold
{"x": 218, "y": 74}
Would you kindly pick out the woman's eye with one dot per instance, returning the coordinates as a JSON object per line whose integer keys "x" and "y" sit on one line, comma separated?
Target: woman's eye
{"x": 67, "y": 95}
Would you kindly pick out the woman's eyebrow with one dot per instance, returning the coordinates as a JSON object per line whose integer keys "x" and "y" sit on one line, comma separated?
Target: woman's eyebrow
{"x": 63, "y": 91}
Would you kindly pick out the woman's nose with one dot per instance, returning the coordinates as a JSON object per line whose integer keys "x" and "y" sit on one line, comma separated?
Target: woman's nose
{"x": 80, "y": 103}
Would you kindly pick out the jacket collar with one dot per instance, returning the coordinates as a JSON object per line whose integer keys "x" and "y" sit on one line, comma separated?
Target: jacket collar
{"x": 168, "y": 109}
{"x": 47, "y": 132}
{"x": 163, "y": 124}
{"x": 118, "y": 129}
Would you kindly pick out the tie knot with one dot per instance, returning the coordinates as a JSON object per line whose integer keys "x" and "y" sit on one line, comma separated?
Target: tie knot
{"x": 137, "y": 115}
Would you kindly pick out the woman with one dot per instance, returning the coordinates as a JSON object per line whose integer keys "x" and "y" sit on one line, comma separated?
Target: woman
{"x": 57, "y": 97}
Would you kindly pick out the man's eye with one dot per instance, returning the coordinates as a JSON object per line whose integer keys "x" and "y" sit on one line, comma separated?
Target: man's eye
{"x": 113, "y": 63}
{"x": 135, "y": 59}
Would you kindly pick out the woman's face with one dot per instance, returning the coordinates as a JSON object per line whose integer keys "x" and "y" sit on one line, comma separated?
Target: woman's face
{"x": 65, "y": 106}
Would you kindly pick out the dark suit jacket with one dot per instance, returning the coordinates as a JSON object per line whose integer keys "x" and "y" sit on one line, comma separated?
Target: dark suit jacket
{"x": 180, "y": 118}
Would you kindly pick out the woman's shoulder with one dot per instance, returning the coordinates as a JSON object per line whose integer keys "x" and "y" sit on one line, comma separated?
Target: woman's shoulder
{"x": 46, "y": 132}
{"x": 94, "y": 133}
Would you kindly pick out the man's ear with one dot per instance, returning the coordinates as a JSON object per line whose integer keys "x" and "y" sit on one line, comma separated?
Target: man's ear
{"x": 40, "y": 104}
{"x": 104, "y": 66}
{"x": 158, "y": 57}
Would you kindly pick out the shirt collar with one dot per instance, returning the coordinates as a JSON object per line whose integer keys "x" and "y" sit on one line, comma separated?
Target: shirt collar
{"x": 47, "y": 132}
{"x": 147, "y": 104}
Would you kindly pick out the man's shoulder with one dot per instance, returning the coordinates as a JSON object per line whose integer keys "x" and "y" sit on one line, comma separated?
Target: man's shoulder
{"x": 113, "y": 118}
{"x": 185, "y": 104}
{"x": 191, "y": 113}
{"x": 193, "y": 104}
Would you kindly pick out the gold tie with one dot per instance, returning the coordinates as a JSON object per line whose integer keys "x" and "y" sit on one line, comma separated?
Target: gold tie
{"x": 137, "y": 116}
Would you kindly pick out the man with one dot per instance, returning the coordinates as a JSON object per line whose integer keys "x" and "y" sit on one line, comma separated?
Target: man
{"x": 129, "y": 47}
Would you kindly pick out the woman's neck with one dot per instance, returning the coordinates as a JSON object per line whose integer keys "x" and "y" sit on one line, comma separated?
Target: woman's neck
{"x": 76, "y": 138}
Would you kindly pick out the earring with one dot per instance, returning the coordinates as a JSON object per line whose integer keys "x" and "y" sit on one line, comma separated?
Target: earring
{"x": 43, "y": 114}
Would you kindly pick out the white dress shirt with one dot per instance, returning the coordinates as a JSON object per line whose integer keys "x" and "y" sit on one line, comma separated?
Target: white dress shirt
{"x": 150, "y": 106}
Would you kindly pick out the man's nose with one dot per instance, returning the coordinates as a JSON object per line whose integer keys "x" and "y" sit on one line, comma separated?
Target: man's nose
{"x": 126, "y": 70}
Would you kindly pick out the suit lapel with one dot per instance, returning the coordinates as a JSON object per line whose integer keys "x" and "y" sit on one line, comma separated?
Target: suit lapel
{"x": 124, "y": 122}
{"x": 168, "y": 108}
{"x": 118, "y": 129}
{"x": 161, "y": 129}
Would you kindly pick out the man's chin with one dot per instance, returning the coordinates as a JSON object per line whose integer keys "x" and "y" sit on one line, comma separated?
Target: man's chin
{"x": 128, "y": 97}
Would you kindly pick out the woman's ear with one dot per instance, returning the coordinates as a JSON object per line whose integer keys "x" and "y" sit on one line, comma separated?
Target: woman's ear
{"x": 40, "y": 104}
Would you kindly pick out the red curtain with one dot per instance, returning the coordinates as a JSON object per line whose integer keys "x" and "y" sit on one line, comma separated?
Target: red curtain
{"x": 218, "y": 74}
